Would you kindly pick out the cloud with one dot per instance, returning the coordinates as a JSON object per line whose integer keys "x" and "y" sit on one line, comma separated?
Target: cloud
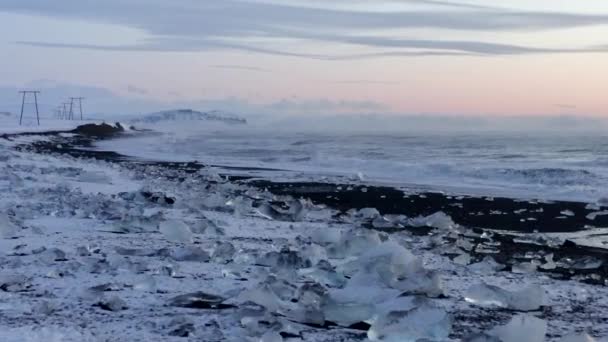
{"x": 252, "y": 26}
{"x": 290, "y": 106}
{"x": 565, "y": 106}
{"x": 366, "y": 82}
{"x": 240, "y": 68}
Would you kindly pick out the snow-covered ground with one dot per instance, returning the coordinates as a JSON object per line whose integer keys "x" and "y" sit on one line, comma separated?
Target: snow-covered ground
{"x": 94, "y": 251}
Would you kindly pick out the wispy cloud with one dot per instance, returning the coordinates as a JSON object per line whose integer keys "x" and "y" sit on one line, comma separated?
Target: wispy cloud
{"x": 366, "y": 82}
{"x": 565, "y": 106}
{"x": 252, "y": 26}
{"x": 240, "y": 68}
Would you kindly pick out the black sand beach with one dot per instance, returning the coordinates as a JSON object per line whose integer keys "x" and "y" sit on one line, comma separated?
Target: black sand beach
{"x": 503, "y": 216}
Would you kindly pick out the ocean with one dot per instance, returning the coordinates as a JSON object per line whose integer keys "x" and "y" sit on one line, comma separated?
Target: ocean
{"x": 545, "y": 166}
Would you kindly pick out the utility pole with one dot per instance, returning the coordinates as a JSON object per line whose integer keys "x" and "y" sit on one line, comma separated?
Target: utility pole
{"x": 25, "y": 93}
{"x": 72, "y": 99}
{"x": 66, "y": 114}
{"x": 71, "y": 108}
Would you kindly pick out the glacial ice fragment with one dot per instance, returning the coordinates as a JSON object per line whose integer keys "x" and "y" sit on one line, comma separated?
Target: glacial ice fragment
{"x": 15, "y": 283}
{"x": 439, "y": 220}
{"x": 112, "y": 304}
{"x": 189, "y": 253}
{"x": 425, "y": 322}
{"x": 145, "y": 284}
{"x": 285, "y": 259}
{"x": 224, "y": 252}
{"x": 487, "y": 265}
{"x": 176, "y": 231}
{"x": 528, "y": 299}
{"x": 271, "y": 336}
{"x": 522, "y": 328}
{"x": 8, "y": 230}
{"x": 577, "y": 338}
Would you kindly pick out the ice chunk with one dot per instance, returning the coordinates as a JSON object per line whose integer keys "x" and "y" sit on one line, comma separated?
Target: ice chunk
{"x": 8, "y": 230}
{"x": 527, "y": 299}
{"x": 567, "y": 212}
{"x": 323, "y": 273}
{"x": 44, "y": 308}
{"x": 176, "y": 231}
{"x": 353, "y": 243}
{"x": 271, "y": 336}
{"x": 146, "y": 284}
{"x": 224, "y": 252}
{"x": 425, "y": 322}
{"x": 487, "y": 265}
{"x": 263, "y": 296}
{"x": 112, "y": 304}
{"x": 577, "y": 338}
{"x": 549, "y": 263}
{"x": 15, "y": 283}
{"x": 308, "y": 304}
{"x": 439, "y": 220}
{"x": 94, "y": 177}
{"x": 522, "y": 328}
{"x": 463, "y": 259}
{"x": 390, "y": 260}
{"x": 593, "y": 215}
{"x": 524, "y": 267}
{"x": 286, "y": 259}
{"x": 190, "y": 253}
{"x": 347, "y": 313}
{"x": 325, "y": 236}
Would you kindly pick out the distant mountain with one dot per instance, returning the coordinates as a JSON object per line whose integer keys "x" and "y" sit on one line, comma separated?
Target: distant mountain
{"x": 181, "y": 115}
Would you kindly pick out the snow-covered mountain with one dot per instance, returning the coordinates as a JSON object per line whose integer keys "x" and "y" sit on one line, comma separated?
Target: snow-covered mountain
{"x": 181, "y": 115}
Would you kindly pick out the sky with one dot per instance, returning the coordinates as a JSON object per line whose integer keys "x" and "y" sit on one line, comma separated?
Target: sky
{"x": 417, "y": 57}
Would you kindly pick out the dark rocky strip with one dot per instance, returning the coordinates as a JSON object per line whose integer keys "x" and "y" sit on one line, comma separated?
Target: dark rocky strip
{"x": 469, "y": 211}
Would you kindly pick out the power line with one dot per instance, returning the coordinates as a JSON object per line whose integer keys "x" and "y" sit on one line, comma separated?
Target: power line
{"x": 25, "y": 93}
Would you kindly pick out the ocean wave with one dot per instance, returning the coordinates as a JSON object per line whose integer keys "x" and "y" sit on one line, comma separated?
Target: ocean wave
{"x": 543, "y": 176}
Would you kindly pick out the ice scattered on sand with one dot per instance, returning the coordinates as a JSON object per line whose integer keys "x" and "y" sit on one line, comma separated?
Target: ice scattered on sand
{"x": 528, "y": 299}
{"x": 176, "y": 231}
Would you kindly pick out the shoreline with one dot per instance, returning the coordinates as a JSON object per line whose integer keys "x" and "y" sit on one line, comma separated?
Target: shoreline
{"x": 467, "y": 236}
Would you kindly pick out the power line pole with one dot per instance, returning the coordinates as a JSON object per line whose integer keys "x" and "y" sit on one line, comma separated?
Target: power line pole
{"x": 79, "y": 104}
{"x": 71, "y": 108}
{"x": 66, "y": 114}
{"x": 25, "y": 93}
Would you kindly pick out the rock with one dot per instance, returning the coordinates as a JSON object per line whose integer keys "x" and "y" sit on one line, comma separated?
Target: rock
{"x": 200, "y": 300}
